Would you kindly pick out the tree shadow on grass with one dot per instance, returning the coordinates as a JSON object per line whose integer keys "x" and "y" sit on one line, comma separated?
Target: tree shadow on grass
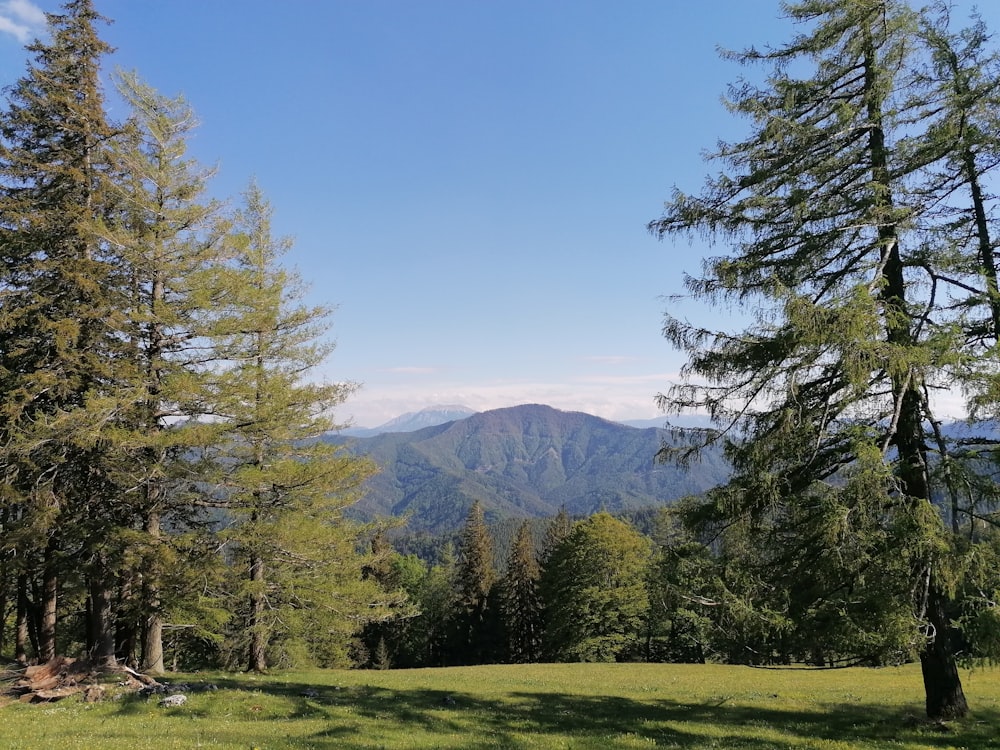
{"x": 368, "y": 716}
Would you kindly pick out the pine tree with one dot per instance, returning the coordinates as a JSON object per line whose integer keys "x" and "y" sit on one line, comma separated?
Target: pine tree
{"x": 824, "y": 402}
{"x": 521, "y": 602}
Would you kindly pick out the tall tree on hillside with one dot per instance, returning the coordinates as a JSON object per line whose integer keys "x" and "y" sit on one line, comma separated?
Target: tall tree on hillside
{"x": 596, "y": 589}
{"x": 475, "y": 620}
{"x": 824, "y": 401}
{"x": 555, "y": 533}
{"x": 61, "y": 296}
{"x": 521, "y": 602}
{"x": 170, "y": 238}
{"x": 432, "y": 590}
{"x": 285, "y": 488}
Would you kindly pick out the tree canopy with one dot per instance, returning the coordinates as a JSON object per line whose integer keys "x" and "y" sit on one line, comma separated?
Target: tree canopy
{"x": 859, "y": 239}
{"x": 160, "y": 411}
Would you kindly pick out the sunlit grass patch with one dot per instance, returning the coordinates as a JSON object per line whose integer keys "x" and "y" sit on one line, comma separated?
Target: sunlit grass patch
{"x": 531, "y": 706}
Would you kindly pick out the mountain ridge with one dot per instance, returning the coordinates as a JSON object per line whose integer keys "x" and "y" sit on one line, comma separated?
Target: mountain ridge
{"x": 412, "y": 421}
{"x": 522, "y": 461}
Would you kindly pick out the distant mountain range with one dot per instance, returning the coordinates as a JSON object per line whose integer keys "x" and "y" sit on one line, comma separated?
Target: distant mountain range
{"x": 523, "y": 461}
{"x": 435, "y": 415}
{"x": 414, "y": 420}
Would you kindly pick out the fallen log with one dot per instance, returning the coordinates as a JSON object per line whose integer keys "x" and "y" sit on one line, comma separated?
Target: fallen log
{"x": 64, "y": 676}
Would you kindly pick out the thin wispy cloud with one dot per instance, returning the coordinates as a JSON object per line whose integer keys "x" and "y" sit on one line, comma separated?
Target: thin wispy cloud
{"x": 21, "y": 19}
{"x": 611, "y": 359}
{"x": 642, "y": 378}
{"x": 376, "y": 403}
{"x": 411, "y": 370}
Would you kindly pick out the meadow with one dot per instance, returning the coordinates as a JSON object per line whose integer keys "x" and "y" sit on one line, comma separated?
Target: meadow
{"x": 594, "y": 706}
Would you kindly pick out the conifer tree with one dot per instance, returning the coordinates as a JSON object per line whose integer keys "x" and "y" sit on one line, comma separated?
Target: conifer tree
{"x": 169, "y": 236}
{"x": 62, "y": 296}
{"x": 839, "y": 254}
{"x": 555, "y": 533}
{"x": 285, "y": 487}
{"x": 521, "y": 603}
{"x": 475, "y": 618}
{"x": 684, "y": 597}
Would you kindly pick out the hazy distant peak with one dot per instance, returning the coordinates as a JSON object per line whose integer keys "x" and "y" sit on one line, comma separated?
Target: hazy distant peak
{"x": 430, "y": 416}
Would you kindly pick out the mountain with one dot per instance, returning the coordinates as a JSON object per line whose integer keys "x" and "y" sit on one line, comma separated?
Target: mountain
{"x": 683, "y": 420}
{"x": 413, "y": 420}
{"x": 523, "y": 461}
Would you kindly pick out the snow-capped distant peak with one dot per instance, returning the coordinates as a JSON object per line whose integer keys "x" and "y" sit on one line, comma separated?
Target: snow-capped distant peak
{"x": 430, "y": 416}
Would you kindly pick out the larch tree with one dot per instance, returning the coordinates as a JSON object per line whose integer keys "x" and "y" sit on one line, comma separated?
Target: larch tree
{"x": 839, "y": 253}
{"x": 170, "y": 237}
{"x": 284, "y": 488}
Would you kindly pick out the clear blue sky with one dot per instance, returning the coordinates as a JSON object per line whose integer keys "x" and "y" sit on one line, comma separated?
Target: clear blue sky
{"x": 467, "y": 181}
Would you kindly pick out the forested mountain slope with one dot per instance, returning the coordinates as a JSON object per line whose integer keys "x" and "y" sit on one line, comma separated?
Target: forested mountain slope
{"x": 522, "y": 461}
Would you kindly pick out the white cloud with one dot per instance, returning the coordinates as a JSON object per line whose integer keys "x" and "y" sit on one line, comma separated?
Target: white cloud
{"x": 22, "y": 33}
{"x": 21, "y": 19}
{"x": 612, "y": 398}
{"x": 411, "y": 370}
{"x": 26, "y": 11}
{"x": 611, "y": 360}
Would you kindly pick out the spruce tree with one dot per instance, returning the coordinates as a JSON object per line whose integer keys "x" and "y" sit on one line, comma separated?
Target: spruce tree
{"x": 62, "y": 301}
{"x": 838, "y": 253}
{"x": 521, "y": 601}
{"x": 475, "y": 617}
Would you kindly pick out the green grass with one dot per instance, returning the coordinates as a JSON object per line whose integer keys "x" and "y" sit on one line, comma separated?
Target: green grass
{"x": 535, "y": 706}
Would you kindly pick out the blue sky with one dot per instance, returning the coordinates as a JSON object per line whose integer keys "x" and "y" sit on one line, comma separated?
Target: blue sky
{"x": 467, "y": 181}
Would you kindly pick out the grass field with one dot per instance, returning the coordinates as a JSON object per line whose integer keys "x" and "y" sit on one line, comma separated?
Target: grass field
{"x": 533, "y": 706}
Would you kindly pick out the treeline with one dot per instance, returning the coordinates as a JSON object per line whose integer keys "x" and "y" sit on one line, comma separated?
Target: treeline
{"x": 163, "y": 498}
{"x": 648, "y": 588}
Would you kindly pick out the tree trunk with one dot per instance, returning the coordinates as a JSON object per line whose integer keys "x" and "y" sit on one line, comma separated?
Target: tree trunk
{"x": 152, "y": 645}
{"x": 942, "y": 684}
{"x": 47, "y": 624}
{"x": 5, "y": 600}
{"x": 102, "y": 603}
{"x": 258, "y": 638}
{"x": 21, "y": 632}
{"x": 126, "y": 625}
{"x": 152, "y": 626}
